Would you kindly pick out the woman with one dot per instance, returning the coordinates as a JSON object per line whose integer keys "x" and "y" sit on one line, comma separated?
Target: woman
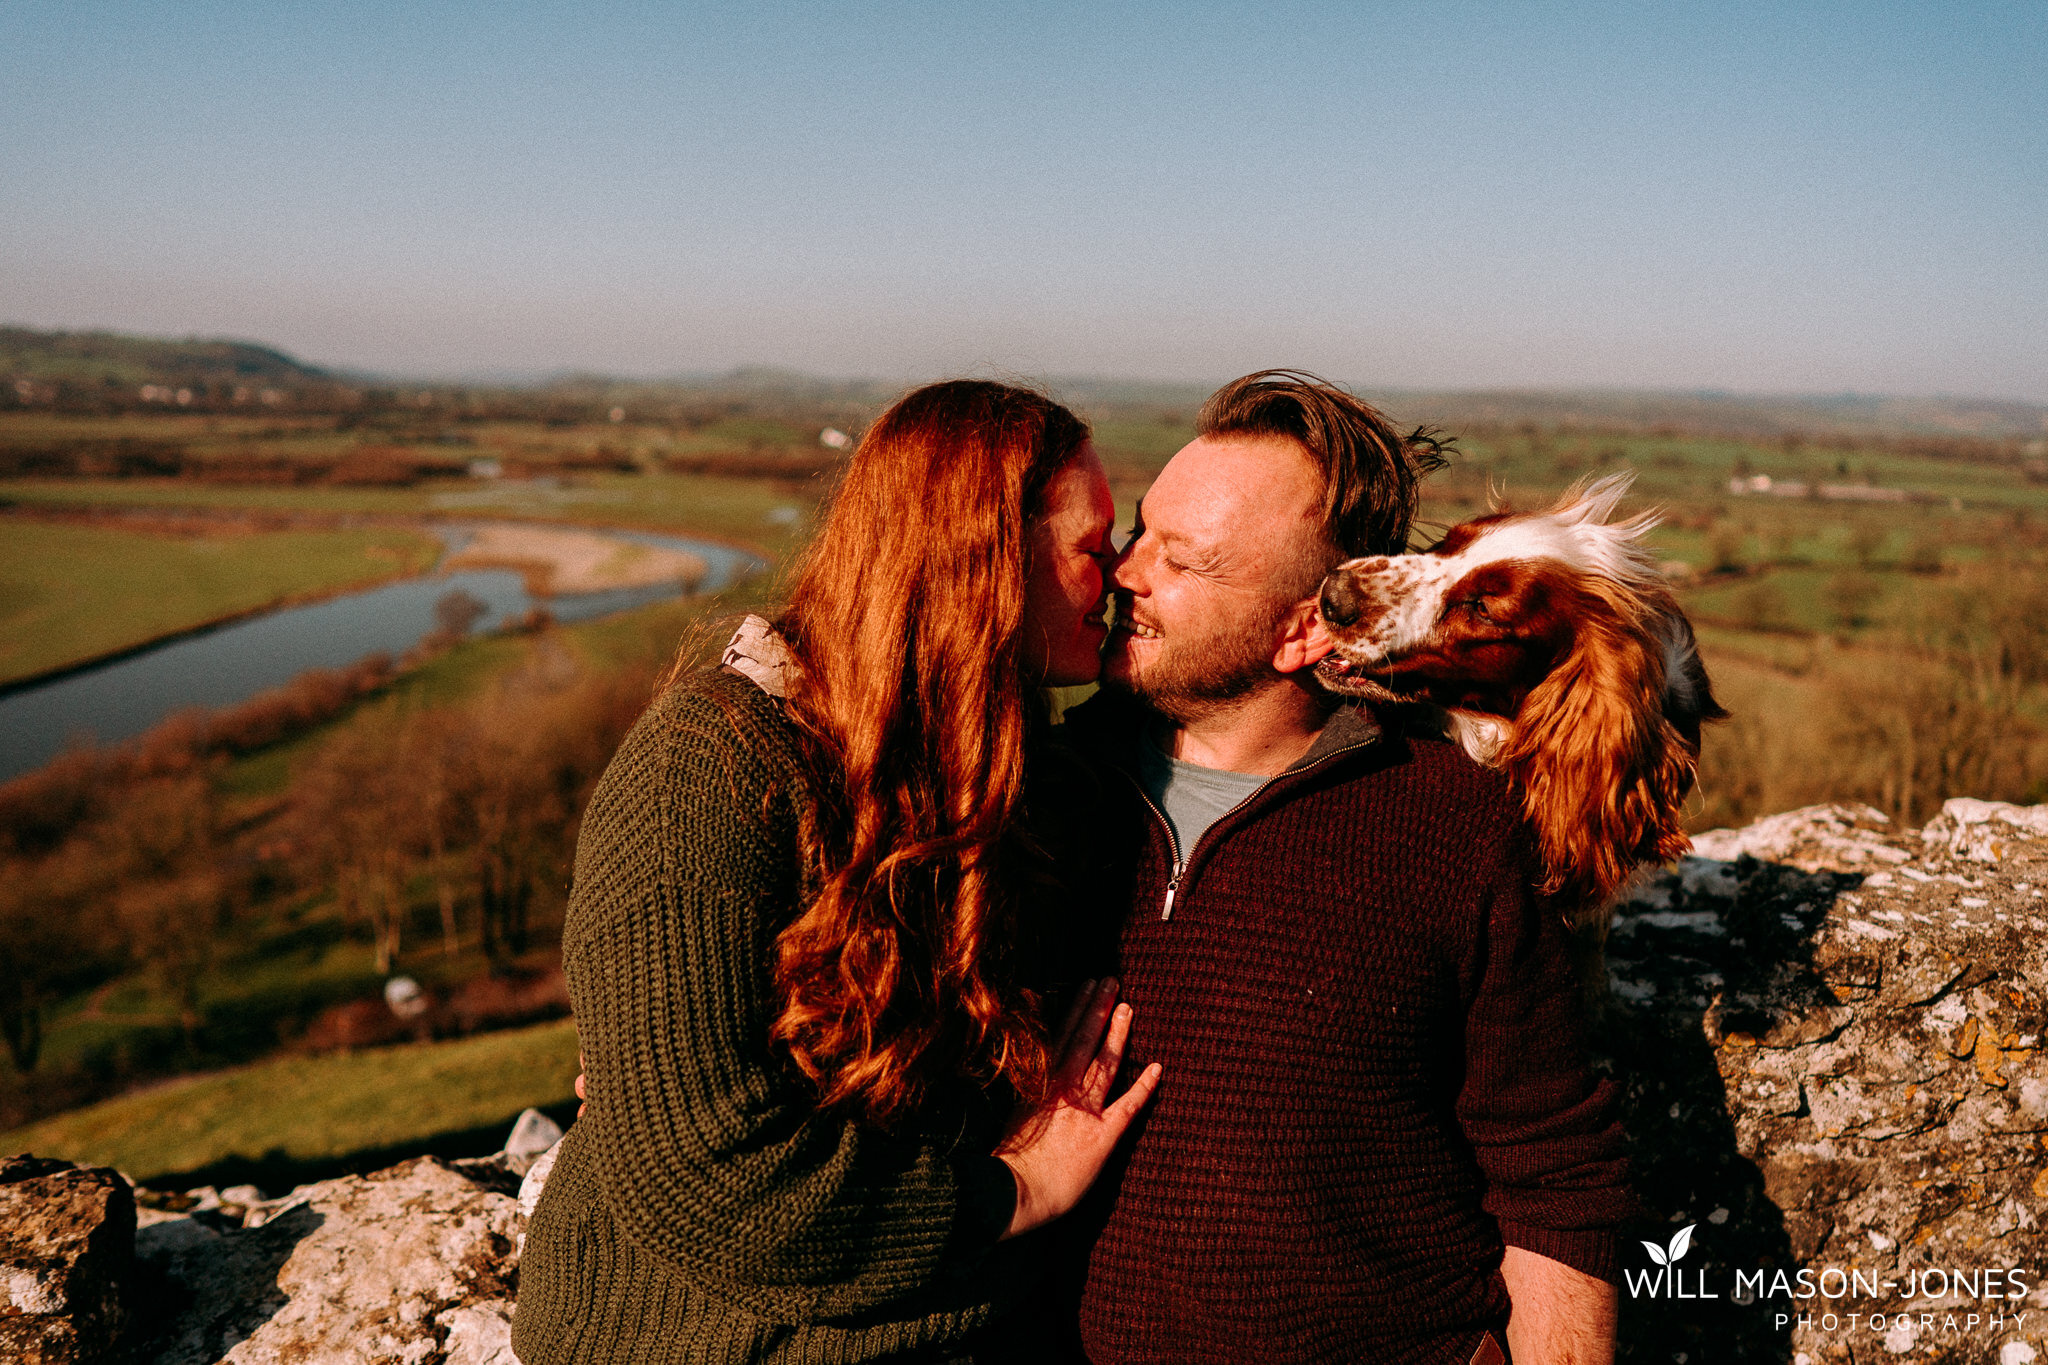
{"x": 805, "y": 946}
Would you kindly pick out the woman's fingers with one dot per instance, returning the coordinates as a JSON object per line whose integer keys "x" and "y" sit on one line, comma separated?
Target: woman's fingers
{"x": 1061, "y": 1157}
{"x": 1119, "y": 1115}
{"x": 1075, "y": 1013}
{"x": 1086, "y": 1040}
{"x": 1101, "y": 1073}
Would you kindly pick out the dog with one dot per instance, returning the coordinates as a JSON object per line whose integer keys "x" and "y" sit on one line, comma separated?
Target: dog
{"x": 1548, "y": 646}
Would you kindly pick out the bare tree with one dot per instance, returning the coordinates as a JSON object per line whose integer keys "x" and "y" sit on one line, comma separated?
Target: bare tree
{"x": 170, "y": 882}
{"x": 431, "y": 748}
{"x": 352, "y": 819}
{"x": 456, "y": 613}
{"x": 47, "y": 939}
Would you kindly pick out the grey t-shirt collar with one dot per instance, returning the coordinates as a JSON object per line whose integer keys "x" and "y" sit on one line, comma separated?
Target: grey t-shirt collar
{"x": 1191, "y": 796}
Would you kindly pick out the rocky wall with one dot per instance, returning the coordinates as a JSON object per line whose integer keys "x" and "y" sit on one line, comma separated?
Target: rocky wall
{"x": 1830, "y": 1036}
{"x": 414, "y": 1265}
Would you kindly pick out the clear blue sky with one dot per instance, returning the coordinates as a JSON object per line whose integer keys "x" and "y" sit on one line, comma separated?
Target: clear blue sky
{"x": 1776, "y": 196}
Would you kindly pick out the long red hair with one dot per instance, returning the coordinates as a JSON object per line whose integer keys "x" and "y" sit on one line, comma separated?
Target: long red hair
{"x": 906, "y": 618}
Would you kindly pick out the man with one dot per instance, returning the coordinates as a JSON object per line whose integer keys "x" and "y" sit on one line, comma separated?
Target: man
{"x": 1377, "y": 1139}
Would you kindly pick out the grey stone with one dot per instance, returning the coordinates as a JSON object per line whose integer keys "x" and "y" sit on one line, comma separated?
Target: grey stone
{"x": 479, "y": 1335}
{"x": 67, "y": 1247}
{"x": 414, "y": 1264}
{"x": 532, "y": 1134}
{"x": 1857, "y": 1069}
{"x": 493, "y": 1172}
{"x": 1984, "y": 831}
{"x": 159, "y": 1235}
{"x": 536, "y": 1179}
{"x": 1841, "y": 837}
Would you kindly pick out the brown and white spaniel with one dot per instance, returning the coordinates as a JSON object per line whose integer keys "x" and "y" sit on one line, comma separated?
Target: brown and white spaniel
{"x": 1557, "y": 654}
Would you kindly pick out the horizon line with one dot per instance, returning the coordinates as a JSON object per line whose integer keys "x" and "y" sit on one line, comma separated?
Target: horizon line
{"x": 526, "y": 377}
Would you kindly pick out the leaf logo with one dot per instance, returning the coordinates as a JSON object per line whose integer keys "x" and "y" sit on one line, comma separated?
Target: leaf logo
{"x": 1681, "y": 1242}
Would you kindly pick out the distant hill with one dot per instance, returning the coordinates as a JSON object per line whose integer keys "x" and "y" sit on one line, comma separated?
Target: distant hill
{"x": 1737, "y": 415}
{"x": 109, "y": 358}
{"x": 1734, "y": 414}
{"x": 95, "y": 370}
{"x": 1742, "y": 415}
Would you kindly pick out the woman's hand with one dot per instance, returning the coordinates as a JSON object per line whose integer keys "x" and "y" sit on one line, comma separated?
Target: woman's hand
{"x": 1056, "y": 1151}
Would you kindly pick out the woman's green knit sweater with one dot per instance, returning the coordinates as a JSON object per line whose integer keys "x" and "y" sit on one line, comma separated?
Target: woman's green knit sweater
{"x": 701, "y": 1210}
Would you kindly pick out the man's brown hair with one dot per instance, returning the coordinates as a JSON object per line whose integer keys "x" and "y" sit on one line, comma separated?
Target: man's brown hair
{"x": 1372, "y": 475}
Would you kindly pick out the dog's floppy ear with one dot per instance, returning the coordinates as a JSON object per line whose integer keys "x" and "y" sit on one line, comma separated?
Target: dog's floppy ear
{"x": 1603, "y": 774}
{"x": 1689, "y": 700}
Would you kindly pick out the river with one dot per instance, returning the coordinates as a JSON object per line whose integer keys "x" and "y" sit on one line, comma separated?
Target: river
{"x": 220, "y": 667}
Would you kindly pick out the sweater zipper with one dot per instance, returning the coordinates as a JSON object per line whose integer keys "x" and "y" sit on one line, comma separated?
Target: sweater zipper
{"x": 1173, "y": 841}
{"x": 1172, "y": 844}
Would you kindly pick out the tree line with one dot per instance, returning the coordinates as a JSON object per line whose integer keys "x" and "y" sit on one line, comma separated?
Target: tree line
{"x": 1947, "y": 697}
{"x": 420, "y": 826}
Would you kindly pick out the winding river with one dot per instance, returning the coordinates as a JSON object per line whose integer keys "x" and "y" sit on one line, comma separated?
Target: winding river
{"x": 220, "y": 667}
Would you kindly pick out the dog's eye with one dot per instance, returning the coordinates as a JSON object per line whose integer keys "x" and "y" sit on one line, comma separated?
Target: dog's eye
{"x": 1477, "y": 606}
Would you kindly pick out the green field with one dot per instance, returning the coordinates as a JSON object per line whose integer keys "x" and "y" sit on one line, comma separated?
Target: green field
{"x": 742, "y": 511}
{"x": 306, "y": 1112}
{"x": 72, "y": 592}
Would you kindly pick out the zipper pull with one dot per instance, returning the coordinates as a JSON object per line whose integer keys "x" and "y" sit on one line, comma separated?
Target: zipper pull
{"x": 1171, "y": 887}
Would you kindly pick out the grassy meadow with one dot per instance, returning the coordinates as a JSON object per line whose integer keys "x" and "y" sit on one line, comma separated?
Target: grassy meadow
{"x": 196, "y": 930}
{"x": 72, "y": 591}
{"x": 747, "y": 512}
{"x": 300, "y": 1114}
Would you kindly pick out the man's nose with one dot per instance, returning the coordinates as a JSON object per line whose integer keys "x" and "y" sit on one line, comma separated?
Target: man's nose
{"x": 1342, "y": 603}
{"x": 1120, "y": 575}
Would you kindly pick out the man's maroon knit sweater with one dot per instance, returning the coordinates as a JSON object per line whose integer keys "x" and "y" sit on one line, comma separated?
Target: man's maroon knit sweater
{"x": 1374, "y": 1075}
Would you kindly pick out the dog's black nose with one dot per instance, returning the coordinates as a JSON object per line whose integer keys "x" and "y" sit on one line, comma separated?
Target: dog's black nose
{"x": 1342, "y": 604}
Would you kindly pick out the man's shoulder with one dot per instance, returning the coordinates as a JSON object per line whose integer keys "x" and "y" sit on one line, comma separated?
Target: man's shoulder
{"x": 1436, "y": 758}
{"x": 1434, "y": 774}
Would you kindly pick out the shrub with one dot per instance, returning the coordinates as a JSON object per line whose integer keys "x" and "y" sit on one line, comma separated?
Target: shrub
{"x": 1849, "y": 596}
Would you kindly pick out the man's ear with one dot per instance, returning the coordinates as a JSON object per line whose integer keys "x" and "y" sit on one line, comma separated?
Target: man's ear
{"x": 1305, "y": 641}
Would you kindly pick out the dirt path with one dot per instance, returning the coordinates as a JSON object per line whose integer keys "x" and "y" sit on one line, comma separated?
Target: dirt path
{"x": 557, "y": 560}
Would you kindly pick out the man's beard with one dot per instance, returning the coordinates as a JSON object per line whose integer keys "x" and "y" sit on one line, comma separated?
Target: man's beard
{"x": 1190, "y": 681}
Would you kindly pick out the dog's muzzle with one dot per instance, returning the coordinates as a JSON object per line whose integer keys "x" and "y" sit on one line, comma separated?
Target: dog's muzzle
{"x": 1342, "y": 603}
